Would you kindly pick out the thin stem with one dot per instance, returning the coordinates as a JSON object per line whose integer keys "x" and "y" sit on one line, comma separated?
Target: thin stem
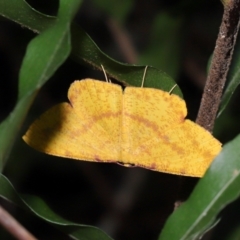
{"x": 123, "y": 40}
{"x": 220, "y": 65}
{"x": 14, "y": 227}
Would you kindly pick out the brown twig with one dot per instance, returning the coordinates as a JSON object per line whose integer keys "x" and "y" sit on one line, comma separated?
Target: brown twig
{"x": 220, "y": 64}
{"x": 14, "y": 227}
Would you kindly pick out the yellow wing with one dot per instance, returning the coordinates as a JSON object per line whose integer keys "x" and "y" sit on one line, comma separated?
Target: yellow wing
{"x": 140, "y": 126}
{"x": 157, "y": 136}
{"x": 88, "y": 128}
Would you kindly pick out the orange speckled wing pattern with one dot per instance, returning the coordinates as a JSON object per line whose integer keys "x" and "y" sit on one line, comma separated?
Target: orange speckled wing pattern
{"x": 138, "y": 126}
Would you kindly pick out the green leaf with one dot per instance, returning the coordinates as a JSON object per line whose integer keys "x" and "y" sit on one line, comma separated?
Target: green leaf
{"x": 88, "y": 52}
{"x": 20, "y": 12}
{"x": 39, "y": 208}
{"x": 85, "y": 50}
{"x": 233, "y": 79}
{"x": 218, "y": 187}
{"x": 44, "y": 55}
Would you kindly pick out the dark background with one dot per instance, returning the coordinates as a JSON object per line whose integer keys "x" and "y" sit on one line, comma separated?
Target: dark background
{"x": 127, "y": 203}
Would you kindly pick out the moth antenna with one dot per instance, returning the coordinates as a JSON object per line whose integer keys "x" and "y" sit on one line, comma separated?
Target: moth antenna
{"x": 172, "y": 89}
{"x": 144, "y": 75}
{"x": 106, "y": 78}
